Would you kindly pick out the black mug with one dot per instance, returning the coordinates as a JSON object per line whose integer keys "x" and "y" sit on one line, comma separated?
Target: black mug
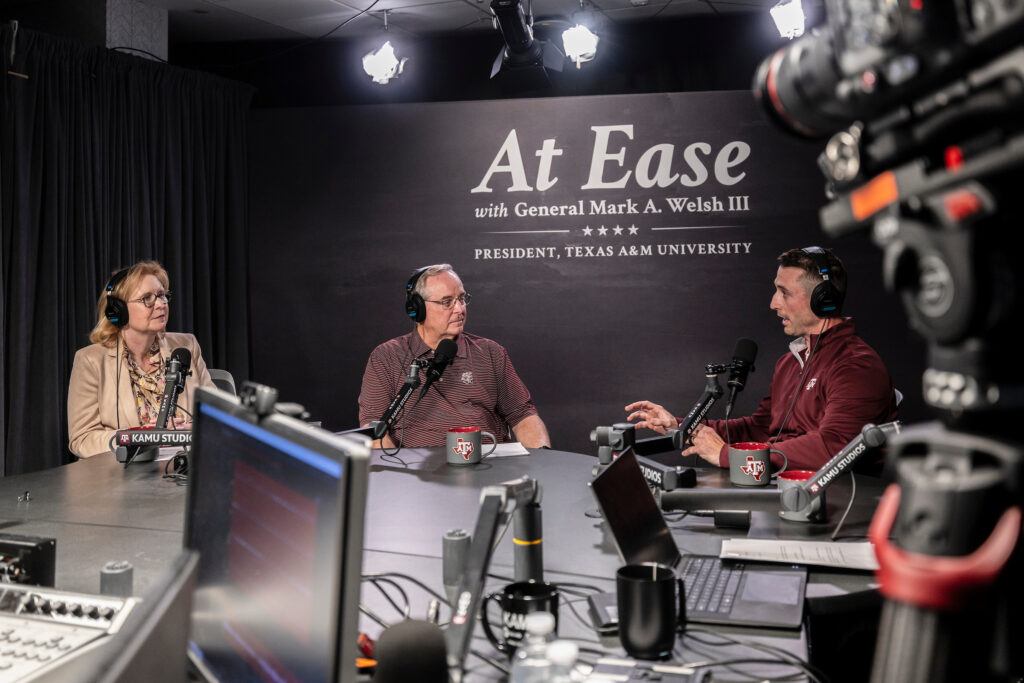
{"x": 652, "y": 605}
{"x": 516, "y": 601}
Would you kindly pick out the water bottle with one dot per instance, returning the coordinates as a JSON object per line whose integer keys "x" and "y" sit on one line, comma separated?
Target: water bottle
{"x": 530, "y": 663}
{"x": 562, "y": 654}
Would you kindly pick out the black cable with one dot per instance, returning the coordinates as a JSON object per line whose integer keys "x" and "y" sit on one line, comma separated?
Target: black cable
{"x": 755, "y": 660}
{"x": 849, "y": 505}
{"x": 376, "y": 583}
{"x": 596, "y": 589}
{"x": 180, "y": 473}
{"x": 500, "y": 667}
{"x": 571, "y": 604}
{"x": 799, "y": 383}
{"x": 370, "y": 613}
{"x": 390, "y": 430}
{"x": 117, "y": 376}
{"x": 412, "y": 580}
{"x": 504, "y": 529}
{"x": 792, "y": 659}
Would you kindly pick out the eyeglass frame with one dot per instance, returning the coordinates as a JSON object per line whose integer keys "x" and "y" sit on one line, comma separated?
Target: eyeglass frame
{"x": 166, "y": 296}
{"x": 463, "y": 298}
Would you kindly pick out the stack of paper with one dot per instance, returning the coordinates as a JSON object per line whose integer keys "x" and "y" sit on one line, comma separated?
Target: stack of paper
{"x": 815, "y": 553}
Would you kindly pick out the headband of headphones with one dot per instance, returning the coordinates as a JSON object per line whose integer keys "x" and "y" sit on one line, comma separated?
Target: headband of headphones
{"x": 116, "y": 279}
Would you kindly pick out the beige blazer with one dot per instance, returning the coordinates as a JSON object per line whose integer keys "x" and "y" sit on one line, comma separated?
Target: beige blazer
{"x": 98, "y": 405}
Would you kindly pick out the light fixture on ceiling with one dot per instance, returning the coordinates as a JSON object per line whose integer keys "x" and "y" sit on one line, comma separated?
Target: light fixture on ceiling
{"x": 382, "y": 64}
{"x": 580, "y": 42}
{"x": 789, "y": 18}
{"x": 523, "y": 62}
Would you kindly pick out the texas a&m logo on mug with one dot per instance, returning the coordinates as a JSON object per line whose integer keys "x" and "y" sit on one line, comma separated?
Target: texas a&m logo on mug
{"x": 463, "y": 447}
{"x": 754, "y": 468}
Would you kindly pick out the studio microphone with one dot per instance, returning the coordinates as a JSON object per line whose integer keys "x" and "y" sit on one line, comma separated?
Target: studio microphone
{"x": 742, "y": 365}
{"x": 179, "y": 366}
{"x": 444, "y": 354}
{"x": 799, "y": 497}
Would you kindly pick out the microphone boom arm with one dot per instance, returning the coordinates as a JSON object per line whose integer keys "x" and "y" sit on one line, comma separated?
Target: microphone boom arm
{"x": 387, "y": 420}
{"x": 497, "y": 503}
{"x": 712, "y": 392}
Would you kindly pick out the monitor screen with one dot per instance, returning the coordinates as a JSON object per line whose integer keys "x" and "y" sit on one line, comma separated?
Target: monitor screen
{"x": 632, "y": 513}
{"x": 276, "y": 512}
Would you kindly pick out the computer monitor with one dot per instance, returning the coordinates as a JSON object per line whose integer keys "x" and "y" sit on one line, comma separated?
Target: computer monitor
{"x": 151, "y": 643}
{"x": 275, "y": 510}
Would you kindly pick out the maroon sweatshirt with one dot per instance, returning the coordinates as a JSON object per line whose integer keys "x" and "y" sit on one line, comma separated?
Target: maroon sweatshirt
{"x": 840, "y": 389}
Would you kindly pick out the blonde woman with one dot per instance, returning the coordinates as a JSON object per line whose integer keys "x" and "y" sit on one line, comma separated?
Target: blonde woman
{"x": 117, "y": 381}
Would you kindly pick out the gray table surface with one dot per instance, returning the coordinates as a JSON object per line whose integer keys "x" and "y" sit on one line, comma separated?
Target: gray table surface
{"x": 98, "y": 511}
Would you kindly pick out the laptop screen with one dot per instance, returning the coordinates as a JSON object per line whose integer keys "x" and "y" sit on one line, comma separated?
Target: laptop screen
{"x": 632, "y": 514}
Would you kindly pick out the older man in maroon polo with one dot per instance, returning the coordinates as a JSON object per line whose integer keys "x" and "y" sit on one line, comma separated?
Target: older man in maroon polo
{"x": 480, "y": 388}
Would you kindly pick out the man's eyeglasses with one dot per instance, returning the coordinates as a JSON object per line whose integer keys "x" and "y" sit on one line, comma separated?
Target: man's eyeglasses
{"x": 150, "y": 299}
{"x": 449, "y": 301}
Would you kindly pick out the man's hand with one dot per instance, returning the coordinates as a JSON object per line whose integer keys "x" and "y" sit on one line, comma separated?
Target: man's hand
{"x": 651, "y": 416}
{"x": 707, "y": 444}
{"x": 182, "y": 423}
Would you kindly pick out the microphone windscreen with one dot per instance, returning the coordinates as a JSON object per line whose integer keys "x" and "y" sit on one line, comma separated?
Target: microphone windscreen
{"x": 411, "y": 650}
{"x": 183, "y": 356}
{"x": 746, "y": 350}
{"x": 445, "y": 352}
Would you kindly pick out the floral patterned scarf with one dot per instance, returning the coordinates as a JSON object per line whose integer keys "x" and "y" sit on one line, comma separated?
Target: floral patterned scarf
{"x": 148, "y": 387}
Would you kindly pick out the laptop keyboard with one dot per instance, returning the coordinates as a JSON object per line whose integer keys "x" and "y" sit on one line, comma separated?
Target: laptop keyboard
{"x": 710, "y": 585}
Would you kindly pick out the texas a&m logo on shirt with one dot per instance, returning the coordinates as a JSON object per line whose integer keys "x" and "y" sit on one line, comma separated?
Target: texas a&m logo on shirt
{"x": 463, "y": 447}
{"x": 753, "y": 468}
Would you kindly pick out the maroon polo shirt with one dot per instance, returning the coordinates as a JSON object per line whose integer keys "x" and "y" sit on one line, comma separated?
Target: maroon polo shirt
{"x": 479, "y": 389}
{"x": 843, "y": 386}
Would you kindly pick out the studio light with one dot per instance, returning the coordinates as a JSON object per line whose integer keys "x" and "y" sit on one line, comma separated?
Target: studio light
{"x": 789, "y": 18}
{"x": 524, "y": 62}
{"x": 580, "y": 44}
{"x": 382, "y": 64}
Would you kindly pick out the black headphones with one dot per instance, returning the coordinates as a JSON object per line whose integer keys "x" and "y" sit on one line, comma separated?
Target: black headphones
{"x": 415, "y": 306}
{"x": 117, "y": 310}
{"x": 826, "y": 299}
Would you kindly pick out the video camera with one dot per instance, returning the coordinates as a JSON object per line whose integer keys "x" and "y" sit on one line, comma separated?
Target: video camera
{"x": 924, "y": 105}
{"x": 921, "y": 104}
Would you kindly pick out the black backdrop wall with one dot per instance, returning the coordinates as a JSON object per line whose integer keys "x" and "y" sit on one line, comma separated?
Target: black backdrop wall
{"x": 107, "y": 159}
{"x": 613, "y": 244}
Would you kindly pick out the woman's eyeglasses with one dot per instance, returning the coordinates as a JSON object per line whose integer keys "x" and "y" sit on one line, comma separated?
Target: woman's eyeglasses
{"x": 149, "y": 300}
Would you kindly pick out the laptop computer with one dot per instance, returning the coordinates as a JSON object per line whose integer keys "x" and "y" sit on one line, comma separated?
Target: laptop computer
{"x": 717, "y": 591}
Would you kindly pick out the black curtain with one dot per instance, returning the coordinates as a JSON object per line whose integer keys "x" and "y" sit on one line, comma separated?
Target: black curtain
{"x": 105, "y": 159}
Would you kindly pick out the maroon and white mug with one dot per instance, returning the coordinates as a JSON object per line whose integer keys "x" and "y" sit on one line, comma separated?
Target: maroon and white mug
{"x": 750, "y": 463}
{"x": 463, "y": 445}
{"x": 815, "y": 511}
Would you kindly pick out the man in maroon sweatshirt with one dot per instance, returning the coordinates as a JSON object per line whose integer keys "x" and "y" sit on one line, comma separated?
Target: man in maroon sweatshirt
{"x": 823, "y": 392}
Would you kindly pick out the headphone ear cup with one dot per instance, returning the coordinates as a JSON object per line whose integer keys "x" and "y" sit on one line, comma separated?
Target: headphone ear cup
{"x": 116, "y": 311}
{"x": 826, "y": 302}
{"x": 416, "y": 308}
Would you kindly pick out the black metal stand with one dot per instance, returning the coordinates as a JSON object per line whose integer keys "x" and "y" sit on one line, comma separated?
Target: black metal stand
{"x": 951, "y": 575}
